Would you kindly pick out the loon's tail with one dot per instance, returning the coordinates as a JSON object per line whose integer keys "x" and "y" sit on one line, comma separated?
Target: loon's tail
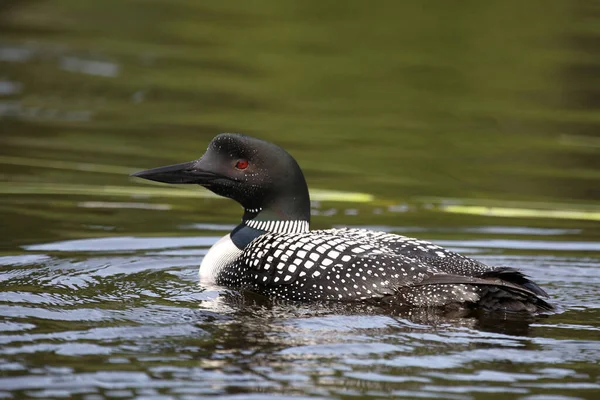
{"x": 513, "y": 291}
{"x": 501, "y": 289}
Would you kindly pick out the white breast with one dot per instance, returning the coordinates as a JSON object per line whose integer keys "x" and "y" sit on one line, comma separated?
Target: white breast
{"x": 219, "y": 255}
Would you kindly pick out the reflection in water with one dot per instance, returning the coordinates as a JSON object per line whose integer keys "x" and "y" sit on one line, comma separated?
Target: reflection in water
{"x": 15, "y": 54}
{"x": 8, "y": 88}
{"x": 91, "y": 67}
{"x": 446, "y": 120}
{"x": 344, "y": 315}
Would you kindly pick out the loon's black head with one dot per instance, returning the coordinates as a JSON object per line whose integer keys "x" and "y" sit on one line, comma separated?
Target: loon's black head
{"x": 259, "y": 175}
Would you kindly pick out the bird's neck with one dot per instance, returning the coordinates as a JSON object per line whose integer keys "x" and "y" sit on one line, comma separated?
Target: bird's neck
{"x": 285, "y": 210}
{"x": 257, "y": 222}
{"x": 269, "y": 220}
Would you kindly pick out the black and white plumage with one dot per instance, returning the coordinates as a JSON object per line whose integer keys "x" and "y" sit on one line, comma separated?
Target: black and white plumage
{"x": 273, "y": 252}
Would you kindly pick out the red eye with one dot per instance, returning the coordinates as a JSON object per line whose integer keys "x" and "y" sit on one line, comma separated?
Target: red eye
{"x": 241, "y": 164}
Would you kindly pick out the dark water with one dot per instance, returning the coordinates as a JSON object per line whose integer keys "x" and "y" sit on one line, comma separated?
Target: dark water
{"x": 474, "y": 125}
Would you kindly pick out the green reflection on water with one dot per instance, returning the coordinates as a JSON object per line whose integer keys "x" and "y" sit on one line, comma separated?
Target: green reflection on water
{"x": 491, "y": 101}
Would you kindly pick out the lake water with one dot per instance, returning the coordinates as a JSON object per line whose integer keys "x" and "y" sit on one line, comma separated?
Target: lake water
{"x": 473, "y": 125}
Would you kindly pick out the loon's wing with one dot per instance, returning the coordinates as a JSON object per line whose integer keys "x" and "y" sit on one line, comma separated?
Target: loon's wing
{"x": 433, "y": 255}
{"x": 491, "y": 287}
{"x": 488, "y": 291}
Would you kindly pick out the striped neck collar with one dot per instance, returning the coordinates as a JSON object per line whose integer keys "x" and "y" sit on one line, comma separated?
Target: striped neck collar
{"x": 292, "y": 226}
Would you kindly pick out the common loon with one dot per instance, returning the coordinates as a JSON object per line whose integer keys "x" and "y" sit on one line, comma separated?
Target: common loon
{"x": 273, "y": 252}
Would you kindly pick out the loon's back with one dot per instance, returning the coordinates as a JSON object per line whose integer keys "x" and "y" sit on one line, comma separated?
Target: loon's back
{"x": 363, "y": 265}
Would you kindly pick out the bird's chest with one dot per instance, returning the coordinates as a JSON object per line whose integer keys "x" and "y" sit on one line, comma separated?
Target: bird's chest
{"x": 221, "y": 255}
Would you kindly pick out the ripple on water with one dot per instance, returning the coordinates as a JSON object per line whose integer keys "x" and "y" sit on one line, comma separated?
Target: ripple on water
{"x": 342, "y": 322}
{"x": 343, "y": 349}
